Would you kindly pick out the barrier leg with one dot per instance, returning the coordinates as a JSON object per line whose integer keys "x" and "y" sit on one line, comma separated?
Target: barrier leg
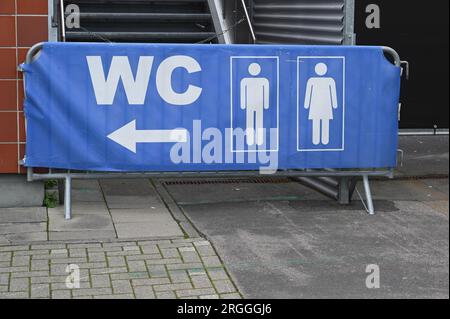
{"x": 344, "y": 191}
{"x": 68, "y": 198}
{"x": 29, "y": 174}
{"x": 352, "y": 187}
{"x": 369, "y": 199}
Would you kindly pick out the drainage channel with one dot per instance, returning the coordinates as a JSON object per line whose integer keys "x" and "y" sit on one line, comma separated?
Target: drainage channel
{"x": 206, "y": 181}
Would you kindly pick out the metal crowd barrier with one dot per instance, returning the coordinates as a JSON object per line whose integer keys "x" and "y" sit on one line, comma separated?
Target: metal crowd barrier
{"x": 336, "y": 184}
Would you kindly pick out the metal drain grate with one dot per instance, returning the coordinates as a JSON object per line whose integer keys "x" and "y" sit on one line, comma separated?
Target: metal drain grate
{"x": 210, "y": 181}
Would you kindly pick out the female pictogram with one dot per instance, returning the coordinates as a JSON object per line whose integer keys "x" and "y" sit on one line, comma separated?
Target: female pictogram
{"x": 321, "y": 99}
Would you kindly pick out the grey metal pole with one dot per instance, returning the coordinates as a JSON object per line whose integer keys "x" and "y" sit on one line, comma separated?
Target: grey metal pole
{"x": 68, "y": 198}
{"x": 369, "y": 199}
{"x": 29, "y": 174}
{"x": 349, "y": 25}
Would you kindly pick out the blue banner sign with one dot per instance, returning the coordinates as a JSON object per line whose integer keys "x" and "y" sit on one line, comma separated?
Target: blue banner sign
{"x": 171, "y": 107}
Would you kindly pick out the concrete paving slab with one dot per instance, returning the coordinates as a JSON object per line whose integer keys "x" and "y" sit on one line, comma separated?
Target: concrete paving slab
{"x": 19, "y": 228}
{"x": 131, "y": 202}
{"x": 87, "y": 195}
{"x": 57, "y": 222}
{"x": 136, "y": 207}
{"x": 23, "y": 214}
{"x": 18, "y": 238}
{"x": 92, "y": 184}
{"x": 288, "y": 249}
{"x": 124, "y": 187}
{"x": 4, "y": 240}
{"x": 207, "y": 193}
{"x": 139, "y": 215}
{"x": 163, "y": 227}
{"x": 83, "y": 208}
{"x": 130, "y": 194}
{"x": 137, "y": 210}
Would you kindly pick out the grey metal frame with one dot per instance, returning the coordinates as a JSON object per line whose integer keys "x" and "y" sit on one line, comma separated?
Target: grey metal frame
{"x": 344, "y": 188}
{"x": 52, "y": 25}
{"x": 218, "y": 21}
{"x": 349, "y": 23}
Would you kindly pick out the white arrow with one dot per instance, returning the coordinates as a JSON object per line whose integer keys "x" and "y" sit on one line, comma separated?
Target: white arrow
{"x": 128, "y": 136}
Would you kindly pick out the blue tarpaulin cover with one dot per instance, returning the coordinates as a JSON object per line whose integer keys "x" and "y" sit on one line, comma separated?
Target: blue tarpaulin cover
{"x": 175, "y": 107}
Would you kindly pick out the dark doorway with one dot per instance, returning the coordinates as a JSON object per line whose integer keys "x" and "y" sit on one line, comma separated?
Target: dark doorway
{"x": 419, "y": 31}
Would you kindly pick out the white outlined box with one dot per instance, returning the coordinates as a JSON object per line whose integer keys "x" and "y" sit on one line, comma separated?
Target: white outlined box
{"x": 232, "y": 106}
{"x": 301, "y": 59}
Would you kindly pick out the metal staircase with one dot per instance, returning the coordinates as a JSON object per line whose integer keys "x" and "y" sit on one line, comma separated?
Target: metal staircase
{"x": 163, "y": 21}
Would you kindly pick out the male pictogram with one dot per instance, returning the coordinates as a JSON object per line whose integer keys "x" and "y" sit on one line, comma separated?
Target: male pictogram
{"x": 255, "y": 94}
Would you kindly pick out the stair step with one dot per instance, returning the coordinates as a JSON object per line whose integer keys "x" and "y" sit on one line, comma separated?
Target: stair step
{"x": 137, "y": 36}
{"x": 117, "y": 6}
{"x": 147, "y": 16}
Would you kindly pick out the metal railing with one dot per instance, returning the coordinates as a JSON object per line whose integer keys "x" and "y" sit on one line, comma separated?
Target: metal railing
{"x": 63, "y": 21}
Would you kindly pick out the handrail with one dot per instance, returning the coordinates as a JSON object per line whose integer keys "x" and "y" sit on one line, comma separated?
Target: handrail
{"x": 252, "y": 31}
{"x": 63, "y": 22}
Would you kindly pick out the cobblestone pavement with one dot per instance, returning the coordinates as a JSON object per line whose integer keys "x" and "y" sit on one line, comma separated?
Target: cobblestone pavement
{"x": 181, "y": 268}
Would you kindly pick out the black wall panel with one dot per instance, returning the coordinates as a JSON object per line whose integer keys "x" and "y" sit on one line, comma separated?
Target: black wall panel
{"x": 419, "y": 31}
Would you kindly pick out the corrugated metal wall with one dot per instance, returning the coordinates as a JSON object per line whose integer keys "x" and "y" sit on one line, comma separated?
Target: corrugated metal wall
{"x": 303, "y": 21}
